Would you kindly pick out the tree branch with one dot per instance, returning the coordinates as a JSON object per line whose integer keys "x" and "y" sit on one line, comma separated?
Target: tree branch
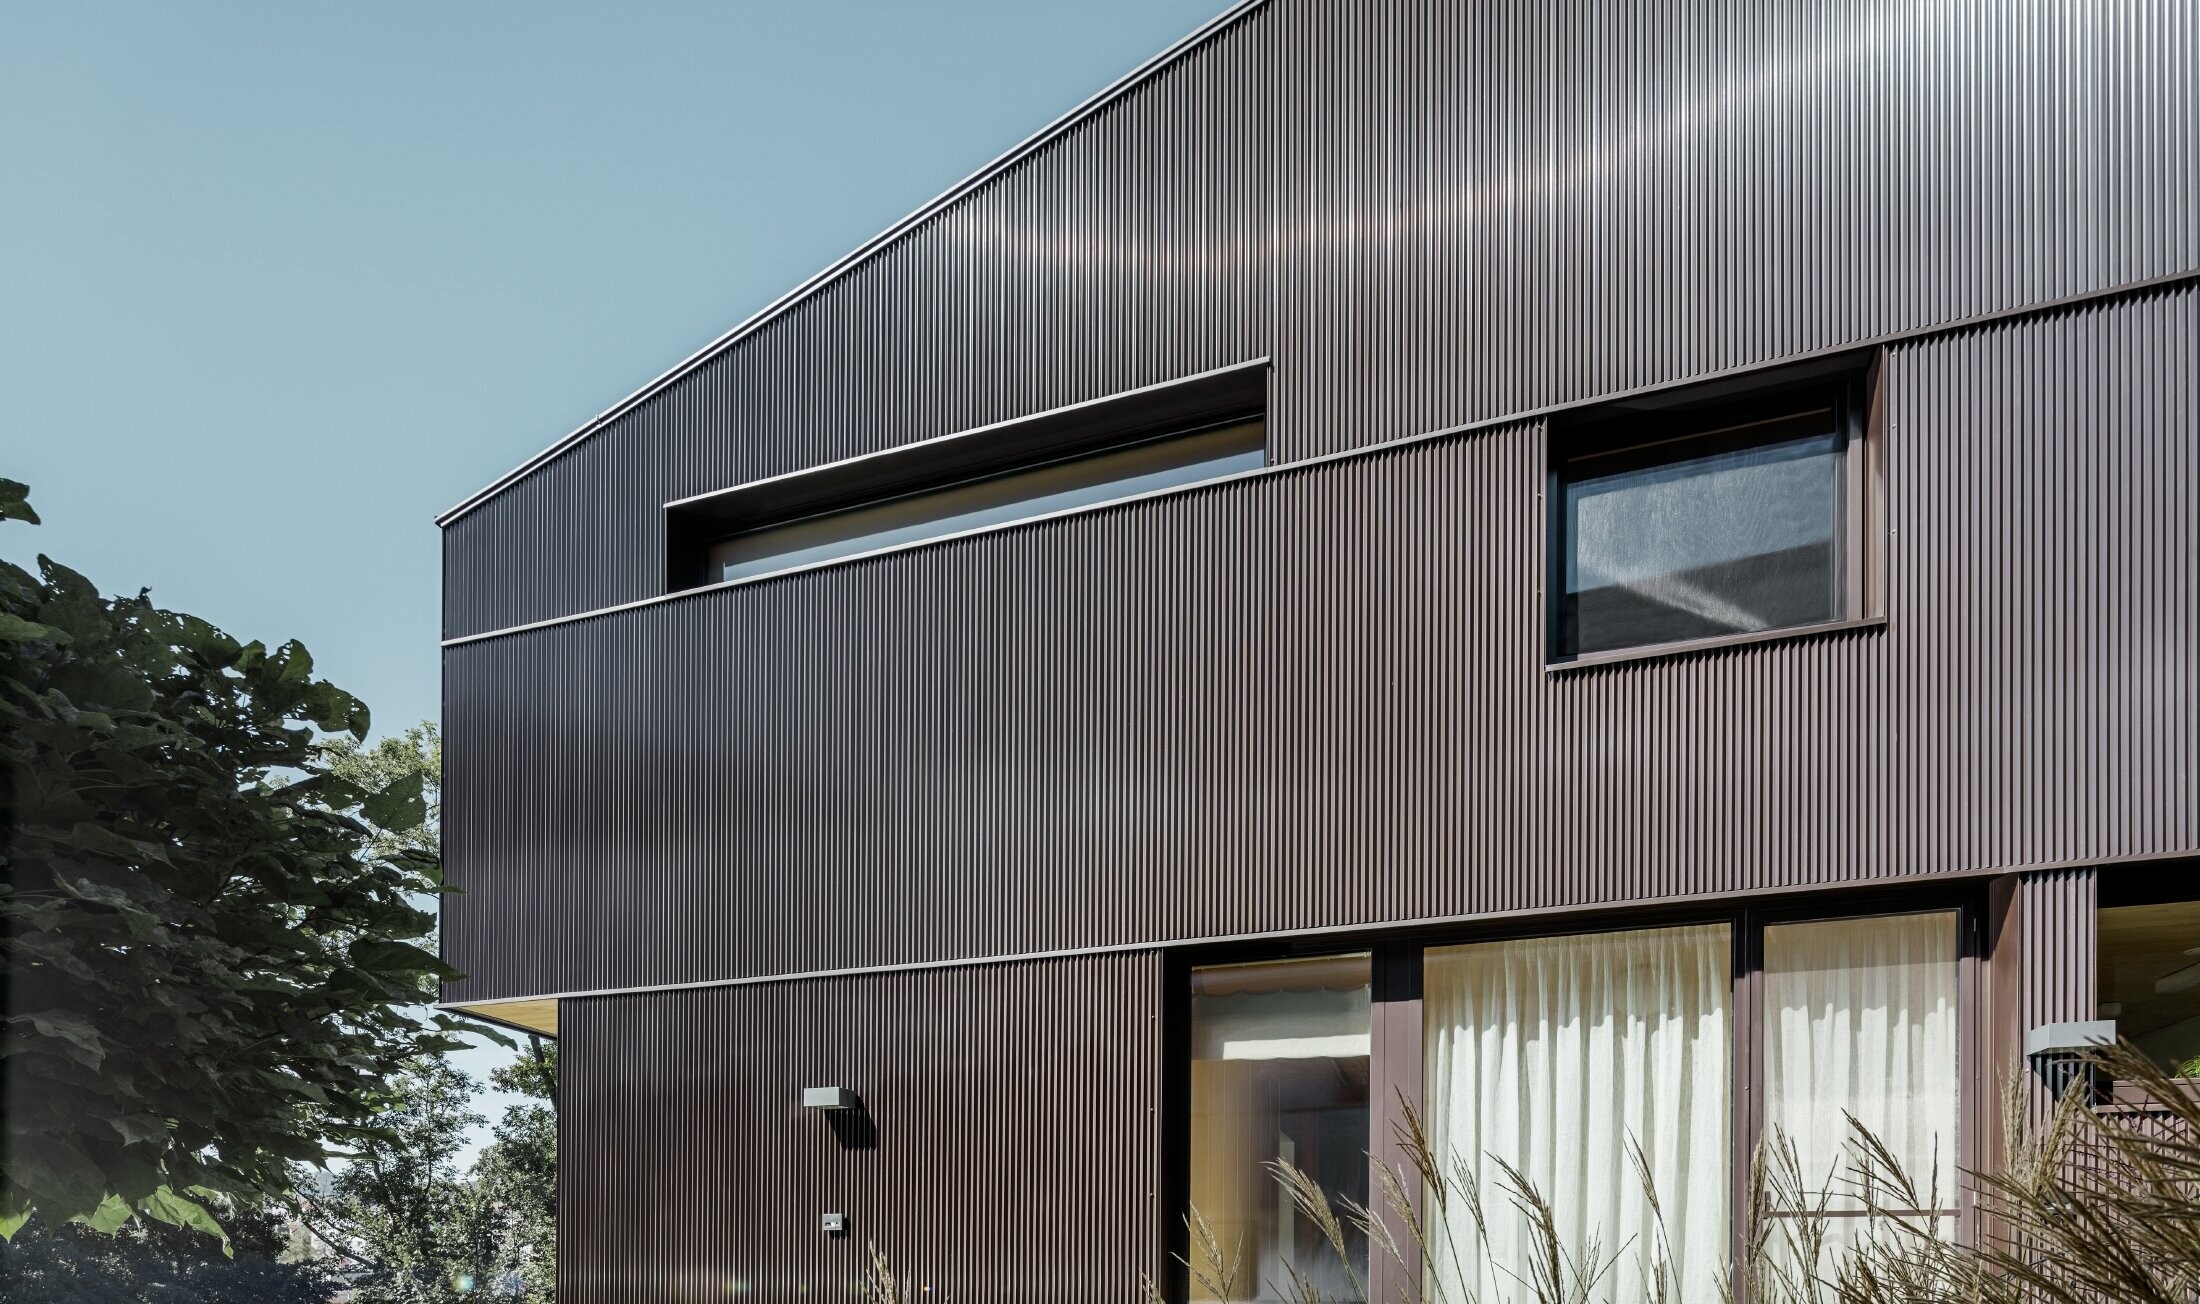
{"x": 335, "y": 1246}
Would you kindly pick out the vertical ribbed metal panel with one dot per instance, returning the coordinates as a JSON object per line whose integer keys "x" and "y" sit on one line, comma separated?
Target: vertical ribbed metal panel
{"x": 1491, "y": 208}
{"x": 1432, "y": 214}
{"x": 2046, "y": 546}
{"x": 1318, "y": 697}
{"x": 1128, "y": 251}
{"x": 2058, "y": 913}
{"x": 1011, "y": 1156}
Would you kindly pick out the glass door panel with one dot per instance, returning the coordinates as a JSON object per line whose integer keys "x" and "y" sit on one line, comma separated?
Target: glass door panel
{"x": 1860, "y": 1022}
{"x": 1279, "y": 1073}
{"x": 1558, "y": 1056}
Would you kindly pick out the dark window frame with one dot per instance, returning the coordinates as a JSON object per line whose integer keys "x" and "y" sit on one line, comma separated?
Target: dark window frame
{"x": 1724, "y": 416}
{"x": 1188, "y": 406}
{"x": 2129, "y": 892}
{"x": 1975, "y": 1112}
{"x": 1398, "y": 1065}
{"x": 1248, "y": 437}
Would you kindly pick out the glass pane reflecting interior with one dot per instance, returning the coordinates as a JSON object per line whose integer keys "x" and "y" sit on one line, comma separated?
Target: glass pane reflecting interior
{"x": 1018, "y": 495}
{"x": 1279, "y": 1071}
{"x": 1725, "y": 542}
{"x": 1860, "y": 1019}
{"x": 1554, "y": 1054}
{"x": 2150, "y": 979}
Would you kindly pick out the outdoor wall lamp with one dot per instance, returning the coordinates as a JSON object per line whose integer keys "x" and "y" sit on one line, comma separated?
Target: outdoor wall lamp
{"x": 2057, "y": 1053}
{"x": 829, "y": 1098}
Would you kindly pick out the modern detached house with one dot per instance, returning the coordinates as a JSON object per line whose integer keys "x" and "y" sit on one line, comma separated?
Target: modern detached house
{"x": 1611, "y": 574}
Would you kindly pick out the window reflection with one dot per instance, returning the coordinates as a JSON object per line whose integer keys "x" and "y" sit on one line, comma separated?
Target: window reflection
{"x": 2150, "y": 979}
{"x": 1707, "y": 536}
{"x": 1279, "y": 1072}
{"x": 1017, "y": 495}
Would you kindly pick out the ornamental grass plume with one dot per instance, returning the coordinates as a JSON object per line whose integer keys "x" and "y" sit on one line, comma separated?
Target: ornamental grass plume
{"x": 2094, "y": 1201}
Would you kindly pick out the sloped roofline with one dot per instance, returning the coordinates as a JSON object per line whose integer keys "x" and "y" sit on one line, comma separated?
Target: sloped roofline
{"x": 861, "y": 254}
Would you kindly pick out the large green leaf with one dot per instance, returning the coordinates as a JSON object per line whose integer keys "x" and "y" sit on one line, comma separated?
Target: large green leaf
{"x": 78, "y": 1032}
{"x": 471, "y": 1027}
{"x": 57, "y": 1174}
{"x": 400, "y": 806}
{"x": 377, "y": 956}
{"x": 111, "y": 1214}
{"x": 180, "y": 1211}
{"x": 137, "y": 1128}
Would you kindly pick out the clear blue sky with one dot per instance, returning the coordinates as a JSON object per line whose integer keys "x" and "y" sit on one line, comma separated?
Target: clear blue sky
{"x": 279, "y": 282}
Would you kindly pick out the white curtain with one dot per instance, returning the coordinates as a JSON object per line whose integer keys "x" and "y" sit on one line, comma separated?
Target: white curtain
{"x": 1551, "y": 1053}
{"x": 1860, "y": 1019}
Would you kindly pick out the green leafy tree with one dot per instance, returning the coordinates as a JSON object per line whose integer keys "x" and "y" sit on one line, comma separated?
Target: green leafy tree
{"x": 415, "y": 755}
{"x": 402, "y": 1215}
{"x": 152, "y": 1263}
{"x": 213, "y": 963}
{"x": 408, "y": 1223}
{"x": 518, "y": 1171}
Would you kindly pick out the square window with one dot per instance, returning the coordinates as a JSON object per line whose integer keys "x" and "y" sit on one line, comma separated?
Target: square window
{"x": 1707, "y": 523}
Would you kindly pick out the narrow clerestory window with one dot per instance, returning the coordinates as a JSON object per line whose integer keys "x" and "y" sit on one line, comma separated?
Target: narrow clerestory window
{"x": 1168, "y": 436}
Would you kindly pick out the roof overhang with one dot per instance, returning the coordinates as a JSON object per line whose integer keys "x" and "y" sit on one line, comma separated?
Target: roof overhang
{"x": 532, "y": 1014}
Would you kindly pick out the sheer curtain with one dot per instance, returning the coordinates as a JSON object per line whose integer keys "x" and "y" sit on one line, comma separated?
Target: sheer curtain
{"x": 1860, "y": 1019}
{"x": 1550, "y": 1054}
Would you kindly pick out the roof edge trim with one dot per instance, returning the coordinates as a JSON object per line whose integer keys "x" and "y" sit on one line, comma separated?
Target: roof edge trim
{"x": 863, "y": 253}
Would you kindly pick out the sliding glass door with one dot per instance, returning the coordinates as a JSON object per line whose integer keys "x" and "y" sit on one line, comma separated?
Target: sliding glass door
{"x": 1860, "y": 1023}
{"x": 1624, "y": 1082}
{"x": 1563, "y": 1059}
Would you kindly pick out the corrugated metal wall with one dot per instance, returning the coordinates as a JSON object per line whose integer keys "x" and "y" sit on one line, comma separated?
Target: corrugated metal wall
{"x": 2058, "y": 918}
{"x": 1008, "y": 1149}
{"x": 1433, "y": 214}
{"x": 1318, "y": 697}
{"x": 1129, "y": 251}
{"x": 2061, "y": 947}
{"x": 1489, "y": 208}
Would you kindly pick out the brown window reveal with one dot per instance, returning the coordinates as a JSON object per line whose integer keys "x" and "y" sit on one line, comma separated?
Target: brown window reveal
{"x": 1713, "y": 515}
{"x": 1165, "y": 436}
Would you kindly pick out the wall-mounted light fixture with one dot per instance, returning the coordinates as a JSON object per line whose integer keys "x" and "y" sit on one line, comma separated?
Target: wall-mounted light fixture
{"x": 829, "y": 1098}
{"x": 2069, "y": 1038}
{"x": 2057, "y": 1052}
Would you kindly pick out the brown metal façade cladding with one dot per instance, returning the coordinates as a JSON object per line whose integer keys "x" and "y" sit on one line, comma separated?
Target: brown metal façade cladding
{"x": 890, "y": 820}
